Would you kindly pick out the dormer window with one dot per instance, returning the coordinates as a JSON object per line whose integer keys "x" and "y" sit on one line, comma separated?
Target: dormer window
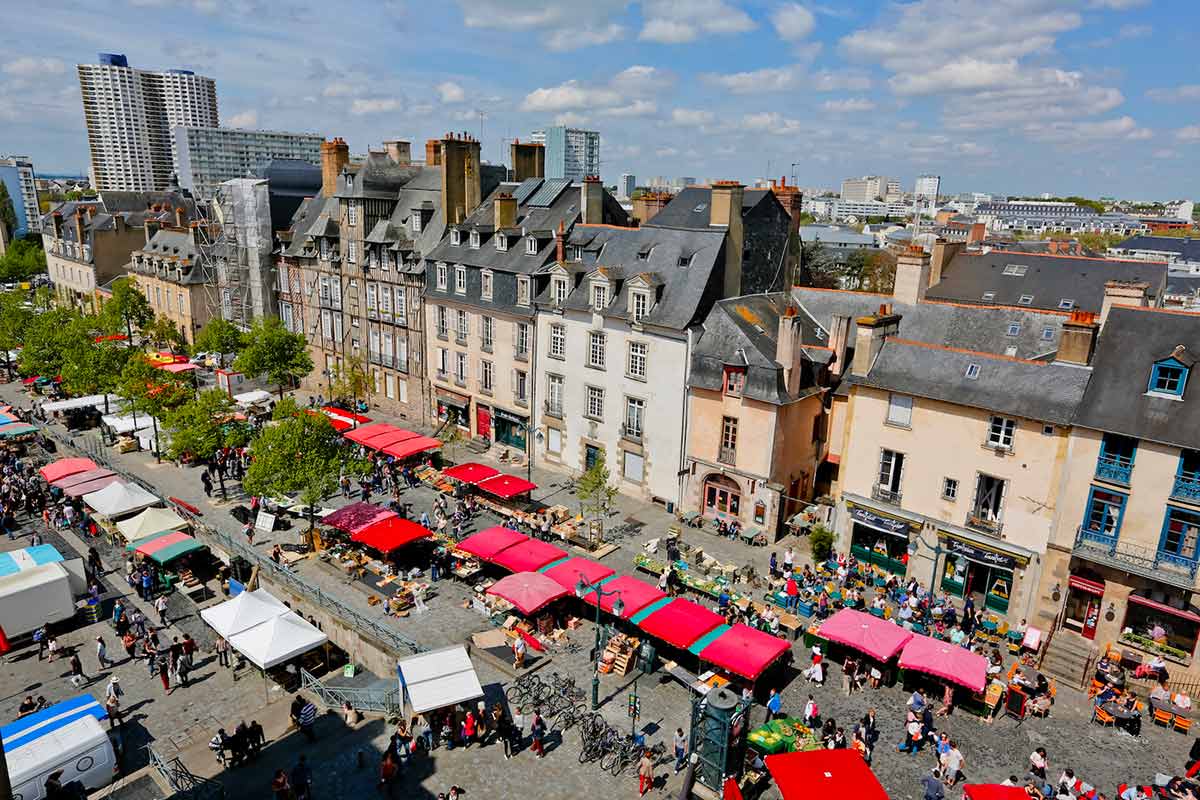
{"x": 349, "y": 181}
{"x": 735, "y": 381}
{"x": 374, "y": 259}
{"x": 639, "y": 305}
{"x": 501, "y": 242}
{"x": 577, "y": 253}
{"x": 485, "y": 284}
{"x": 599, "y": 296}
{"x": 531, "y": 246}
{"x": 558, "y": 290}
{"x": 522, "y": 290}
{"x": 1168, "y": 377}
{"x": 474, "y": 240}
{"x": 441, "y": 277}
{"x": 460, "y": 280}
{"x": 455, "y": 237}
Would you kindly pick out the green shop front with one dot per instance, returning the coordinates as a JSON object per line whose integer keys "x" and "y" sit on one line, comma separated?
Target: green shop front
{"x": 986, "y": 571}
{"x": 879, "y": 538}
{"x": 511, "y": 429}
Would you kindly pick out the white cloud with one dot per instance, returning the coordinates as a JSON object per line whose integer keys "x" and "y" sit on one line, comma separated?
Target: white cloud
{"x": 585, "y": 37}
{"x": 642, "y": 80}
{"x": 451, "y": 92}
{"x": 691, "y": 117}
{"x": 793, "y": 22}
{"x": 1165, "y": 153}
{"x": 666, "y": 152}
{"x": 569, "y": 96}
{"x": 1075, "y": 132}
{"x": 769, "y": 79}
{"x": 955, "y": 76}
{"x": 850, "y": 105}
{"x": 627, "y": 95}
{"x": 761, "y": 121}
{"x": 340, "y": 89}
{"x": 638, "y": 108}
{"x": 1190, "y": 91}
{"x": 1191, "y": 133}
{"x": 246, "y": 119}
{"x": 32, "y": 67}
{"x": 571, "y": 118}
{"x": 374, "y": 106}
{"x": 563, "y": 26}
{"x": 680, "y": 21}
{"x": 1118, "y": 5}
{"x": 840, "y": 81}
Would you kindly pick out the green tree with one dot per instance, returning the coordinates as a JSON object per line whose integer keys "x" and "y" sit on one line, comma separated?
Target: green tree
{"x": 451, "y": 437}
{"x": 43, "y": 298}
{"x": 220, "y": 336}
{"x": 89, "y": 366}
{"x": 820, "y": 542}
{"x": 818, "y": 267}
{"x": 350, "y": 380}
{"x": 127, "y": 311}
{"x": 301, "y": 453}
{"x": 595, "y": 492}
{"x": 152, "y": 391}
{"x": 23, "y": 259}
{"x": 274, "y": 351}
{"x": 164, "y": 332}
{"x": 46, "y": 341}
{"x": 201, "y": 427}
{"x": 16, "y": 321}
{"x": 8, "y": 213}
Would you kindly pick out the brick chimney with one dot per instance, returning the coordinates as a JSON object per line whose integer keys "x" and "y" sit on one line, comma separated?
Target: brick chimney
{"x": 56, "y": 221}
{"x": 977, "y": 233}
{"x": 791, "y": 199}
{"x": 528, "y": 160}
{"x": 433, "y": 152}
{"x": 399, "y": 151}
{"x": 725, "y": 211}
{"x": 648, "y": 204}
{"x": 560, "y": 240}
{"x": 943, "y": 253}
{"x": 873, "y": 331}
{"x": 591, "y": 198}
{"x": 839, "y": 339}
{"x": 79, "y": 227}
{"x": 460, "y": 177}
{"x": 179, "y": 212}
{"x": 1077, "y": 342}
{"x": 1123, "y": 293}
{"x": 335, "y": 155}
{"x": 787, "y": 348}
{"x": 504, "y": 211}
{"x": 912, "y": 275}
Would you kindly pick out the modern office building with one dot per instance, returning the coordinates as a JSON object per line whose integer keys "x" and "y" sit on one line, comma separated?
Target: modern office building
{"x": 207, "y": 157}
{"x": 130, "y": 114}
{"x": 868, "y": 188}
{"x": 927, "y": 187}
{"x": 626, "y": 186}
{"x": 571, "y": 153}
{"x": 16, "y": 172}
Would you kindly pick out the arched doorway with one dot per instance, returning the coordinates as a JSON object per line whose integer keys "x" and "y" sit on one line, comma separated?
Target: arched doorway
{"x": 722, "y": 497}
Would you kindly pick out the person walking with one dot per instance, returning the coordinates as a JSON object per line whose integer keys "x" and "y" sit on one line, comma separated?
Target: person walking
{"x": 774, "y": 705}
{"x": 147, "y": 586}
{"x": 789, "y": 560}
{"x": 164, "y": 666}
{"x": 387, "y": 774}
{"x": 308, "y": 720}
{"x": 102, "y": 653}
{"x": 537, "y": 732}
{"x": 280, "y": 786}
{"x": 77, "y": 676}
{"x": 222, "y": 648}
{"x": 681, "y": 744}
{"x": 645, "y": 773}
{"x": 160, "y": 605}
{"x": 301, "y": 779}
{"x": 206, "y": 482}
{"x": 952, "y": 764}
{"x": 112, "y": 701}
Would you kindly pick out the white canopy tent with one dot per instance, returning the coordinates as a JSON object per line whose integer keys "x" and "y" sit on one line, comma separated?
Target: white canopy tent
{"x": 125, "y": 424}
{"x": 120, "y": 498}
{"x": 277, "y": 640}
{"x": 79, "y": 402}
{"x": 438, "y": 679}
{"x": 243, "y": 612}
{"x": 150, "y": 522}
{"x": 250, "y": 398}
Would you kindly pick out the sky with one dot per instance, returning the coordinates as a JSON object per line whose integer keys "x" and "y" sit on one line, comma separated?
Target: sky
{"x": 1088, "y": 97}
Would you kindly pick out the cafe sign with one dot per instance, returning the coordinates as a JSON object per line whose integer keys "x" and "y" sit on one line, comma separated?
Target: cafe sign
{"x": 983, "y": 555}
{"x": 896, "y": 527}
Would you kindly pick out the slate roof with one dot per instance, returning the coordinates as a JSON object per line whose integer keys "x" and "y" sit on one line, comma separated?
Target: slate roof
{"x": 311, "y": 220}
{"x": 691, "y": 208}
{"x": 1039, "y": 390}
{"x": 835, "y": 235}
{"x": 1184, "y": 248}
{"x": 1182, "y": 283}
{"x": 377, "y": 177}
{"x": 174, "y": 247}
{"x": 981, "y": 328}
{"x": 1049, "y": 279}
{"x": 1131, "y": 341}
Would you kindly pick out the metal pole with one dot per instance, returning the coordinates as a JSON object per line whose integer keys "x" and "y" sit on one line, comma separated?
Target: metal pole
{"x": 596, "y": 656}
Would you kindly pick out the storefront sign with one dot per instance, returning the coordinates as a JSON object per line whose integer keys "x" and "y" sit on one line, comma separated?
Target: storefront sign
{"x": 896, "y": 527}
{"x": 982, "y": 555}
{"x": 511, "y": 417}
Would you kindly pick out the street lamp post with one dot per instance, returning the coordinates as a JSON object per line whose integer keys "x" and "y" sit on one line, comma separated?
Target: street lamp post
{"x": 582, "y": 590}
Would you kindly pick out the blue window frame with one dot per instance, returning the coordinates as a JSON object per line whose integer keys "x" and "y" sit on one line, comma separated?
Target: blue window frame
{"x": 1115, "y": 463}
{"x": 1168, "y": 377}
{"x": 1104, "y": 514}
{"x": 1181, "y": 530}
{"x": 1187, "y": 477}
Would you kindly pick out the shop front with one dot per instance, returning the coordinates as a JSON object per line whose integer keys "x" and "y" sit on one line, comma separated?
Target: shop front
{"x": 1081, "y": 612}
{"x": 1161, "y": 622}
{"x": 985, "y": 572}
{"x": 512, "y": 429}
{"x": 879, "y": 539}
{"x": 454, "y": 408}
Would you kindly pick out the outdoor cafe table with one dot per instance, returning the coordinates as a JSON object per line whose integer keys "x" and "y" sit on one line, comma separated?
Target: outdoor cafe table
{"x": 1160, "y": 704}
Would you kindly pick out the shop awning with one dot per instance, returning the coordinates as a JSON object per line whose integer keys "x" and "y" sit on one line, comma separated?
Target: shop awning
{"x": 361, "y": 435}
{"x": 391, "y": 437}
{"x": 410, "y": 447}
{"x": 78, "y": 402}
{"x": 1085, "y": 585}
{"x": 150, "y": 522}
{"x": 681, "y": 623}
{"x": 16, "y": 429}
{"x": 833, "y": 774}
{"x": 1164, "y": 608}
{"x": 243, "y": 612}
{"x": 993, "y": 791}
{"x": 93, "y": 485}
{"x": 119, "y": 498}
{"x": 945, "y": 660}
{"x": 277, "y": 640}
{"x": 334, "y": 411}
{"x": 390, "y": 534}
{"x": 178, "y": 367}
{"x": 65, "y": 467}
{"x": 356, "y": 516}
{"x": 506, "y": 486}
{"x": 529, "y": 592}
{"x": 635, "y": 595}
{"x": 82, "y": 477}
{"x": 167, "y": 546}
{"x": 490, "y": 541}
{"x": 438, "y": 679}
{"x": 528, "y": 556}
{"x": 470, "y": 472}
{"x": 567, "y": 573}
{"x": 744, "y": 651}
{"x": 879, "y": 639}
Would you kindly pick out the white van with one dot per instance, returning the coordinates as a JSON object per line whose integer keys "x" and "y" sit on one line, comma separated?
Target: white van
{"x": 66, "y": 736}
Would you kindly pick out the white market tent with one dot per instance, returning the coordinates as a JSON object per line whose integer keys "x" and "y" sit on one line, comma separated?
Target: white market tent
{"x": 250, "y": 398}
{"x": 277, "y": 640}
{"x": 119, "y": 498}
{"x": 438, "y": 679}
{"x": 78, "y": 402}
{"x": 243, "y": 612}
{"x": 150, "y": 522}
{"x": 124, "y": 424}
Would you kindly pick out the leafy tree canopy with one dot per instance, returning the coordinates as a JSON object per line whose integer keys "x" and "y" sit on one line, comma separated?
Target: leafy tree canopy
{"x": 164, "y": 332}
{"x": 350, "y": 379}
{"x": 151, "y": 389}
{"x": 273, "y": 350}
{"x": 594, "y": 490}
{"x": 22, "y": 260}
{"x": 127, "y": 310}
{"x": 203, "y": 426}
{"x": 220, "y": 336}
{"x": 8, "y": 213}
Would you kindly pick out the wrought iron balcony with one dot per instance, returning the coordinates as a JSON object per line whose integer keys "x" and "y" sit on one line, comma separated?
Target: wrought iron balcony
{"x": 727, "y": 455}
{"x": 1114, "y": 470}
{"x": 979, "y": 522}
{"x": 1186, "y": 488}
{"x": 1146, "y": 561}
{"x": 886, "y": 495}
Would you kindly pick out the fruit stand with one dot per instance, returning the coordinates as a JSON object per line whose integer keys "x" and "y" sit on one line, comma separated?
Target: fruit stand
{"x": 783, "y": 736}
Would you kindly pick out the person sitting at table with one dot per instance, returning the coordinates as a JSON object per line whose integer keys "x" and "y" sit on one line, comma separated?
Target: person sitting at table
{"x": 905, "y": 615}
{"x": 950, "y": 616}
{"x": 957, "y": 636}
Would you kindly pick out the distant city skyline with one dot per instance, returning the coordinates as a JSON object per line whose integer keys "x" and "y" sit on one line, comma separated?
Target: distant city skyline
{"x": 1087, "y": 97}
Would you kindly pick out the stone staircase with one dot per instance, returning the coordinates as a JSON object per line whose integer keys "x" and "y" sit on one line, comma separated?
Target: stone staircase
{"x": 1068, "y": 657}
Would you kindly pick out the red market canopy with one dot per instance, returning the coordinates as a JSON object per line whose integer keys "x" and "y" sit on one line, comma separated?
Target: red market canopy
{"x": 506, "y": 486}
{"x": 333, "y": 411}
{"x": 391, "y": 533}
{"x": 30, "y": 379}
{"x": 681, "y": 623}
{"x": 527, "y": 591}
{"x": 490, "y": 541}
{"x": 81, "y": 477}
{"x": 356, "y": 516}
{"x": 879, "y": 639}
{"x": 168, "y": 546}
{"x": 744, "y": 651}
{"x": 361, "y": 435}
{"x": 470, "y": 472}
{"x": 182, "y": 366}
{"x": 567, "y": 573}
{"x": 635, "y": 595}
{"x": 993, "y": 791}
{"x": 410, "y": 447}
{"x": 824, "y": 773}
{"x": 945, "y": 660}
{"x": 340, "y": 425}
{"x": 391, "y": 437}
{"x": 528, "y": 556}
{"x": 65, "y": 467}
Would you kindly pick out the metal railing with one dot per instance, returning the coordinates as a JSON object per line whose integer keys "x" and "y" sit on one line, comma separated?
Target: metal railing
{"x": 980, "y": 521}
{"x": 1149, "y": 562}
{"x": 373, "y": 700}
{"x": 1186, "y": 487}
{"x": 185, "y": 784}
{"x": 885, "y": 494}
{"x": 1114, "y": 469}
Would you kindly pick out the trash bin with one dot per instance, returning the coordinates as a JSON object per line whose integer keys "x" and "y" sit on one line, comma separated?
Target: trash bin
{"x": 670, "y": 507}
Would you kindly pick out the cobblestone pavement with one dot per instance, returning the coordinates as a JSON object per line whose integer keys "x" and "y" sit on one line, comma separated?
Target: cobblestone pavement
{"x": 1104, "y": 757}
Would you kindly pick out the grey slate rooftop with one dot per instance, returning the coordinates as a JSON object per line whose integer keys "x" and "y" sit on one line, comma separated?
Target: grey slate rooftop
{"x": 1183, "y": 248}
{"x": 690, "y": 209}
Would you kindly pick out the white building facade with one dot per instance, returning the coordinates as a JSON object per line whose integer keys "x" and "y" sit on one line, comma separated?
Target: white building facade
{"x": 207, "y": 157}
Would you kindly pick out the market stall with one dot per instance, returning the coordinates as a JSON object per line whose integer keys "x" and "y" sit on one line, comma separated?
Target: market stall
{"x": 119, "y": 499}
{"x": 92, "y": 485}
{"x": 243, "y": 612}
{"x": 681, "y": 623}
{"x": 151, "y": 522}
{"x": 81, "y": 477}
{"x": 744, "y": 651}
{"x": 394, "y": 436}
{"x": 66, "y": 467}
{"x": 166, "y": 547}
{"x": 945, "y": 660}
{"x": 491, "y": 541}
{"x": 784, "y": 735}
{"x": 635, "y": 595}
{"x": 90, "y": 401}
{"x": 252, "y": 398}
{"x": 13, "y": 430}
{"x": 528, "y": 592}
{"x": 875, "y": 637}
{"x": 530, "y": 555}
{"x": 568, "y": 573}
{"x": 506, "y": 486}
{"x": 353, "y": 518}
{"x": 470, "y": 472}
{"x": 362, "y": 435}
{"x": 411, "y": 447}
{"x": 15, "y": 561}
{"x": 438, "y": 679}
{"x": 340, "y": 425}
{"x": 278, "y": 639}
{"x": 826, "y": 774}
{"x": 390, "y": 533}
{"x": 121, "y": 424}
{"x": 342, "y": 415}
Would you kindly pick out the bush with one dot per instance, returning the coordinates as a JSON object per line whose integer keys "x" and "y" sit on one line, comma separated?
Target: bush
{"x": 820, "y": 542}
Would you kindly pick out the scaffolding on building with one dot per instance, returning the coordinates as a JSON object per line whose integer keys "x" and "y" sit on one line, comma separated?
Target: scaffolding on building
{"x": 236, "y": 247}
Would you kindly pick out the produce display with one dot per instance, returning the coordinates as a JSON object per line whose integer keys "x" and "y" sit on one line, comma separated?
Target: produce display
{"x": 783, "y": 736}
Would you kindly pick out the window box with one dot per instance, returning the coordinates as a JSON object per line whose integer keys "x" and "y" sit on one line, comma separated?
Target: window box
{"x": 1150, "y": 646}
{"x": 984, "y": 524}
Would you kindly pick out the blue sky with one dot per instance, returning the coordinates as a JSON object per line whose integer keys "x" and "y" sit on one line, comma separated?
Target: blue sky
{"x": 1094, "y": 97}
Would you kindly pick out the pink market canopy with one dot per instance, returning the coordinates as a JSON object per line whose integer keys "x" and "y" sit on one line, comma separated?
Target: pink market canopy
{"x": 945, "y": 660}
{"x": 566, "y": 574}
{"x": 66, "y": 466}
{"x": 356, "y": 516}
{"x": 635, "y": 595}
{"x": 744, "y": 651}
{"x": 82, "y": 477}
{"x": 529, "y": 592}
{"x": 879, "y": 639}
{"x": 490, "y": 541}
{"x": 528, "y": 556}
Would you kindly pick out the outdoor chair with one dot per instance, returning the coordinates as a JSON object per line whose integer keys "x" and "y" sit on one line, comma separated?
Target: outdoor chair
{"x": 1182, "y": 724}
{"x": 1164, "y": 718}
{"x": 1103, "y": 717}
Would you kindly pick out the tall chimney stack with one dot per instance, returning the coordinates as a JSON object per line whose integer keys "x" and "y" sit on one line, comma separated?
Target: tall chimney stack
{"x": 1077, "y": 342}
{"x": 528, "y": 160}
{"x": 399, "y": 151}
{"x": 647, "y": 204}
{"x": 792, "y": 201}
{"x": 872, "y": 332}
{"x": 460, "y": 177}
{"x": 433, "y": 152}
{"x": 912, "y": 275}
{"x": 787, "y": 348}
{"x": 504, "y": 211}
{"x": 726, "y": 212}
{"x": 179, "y": 212}
{"x": 79, "y": 227}
{"x": 1123, "y": 293}
{"x": 592, "y": 200}
{"x": 335, "y": 155}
